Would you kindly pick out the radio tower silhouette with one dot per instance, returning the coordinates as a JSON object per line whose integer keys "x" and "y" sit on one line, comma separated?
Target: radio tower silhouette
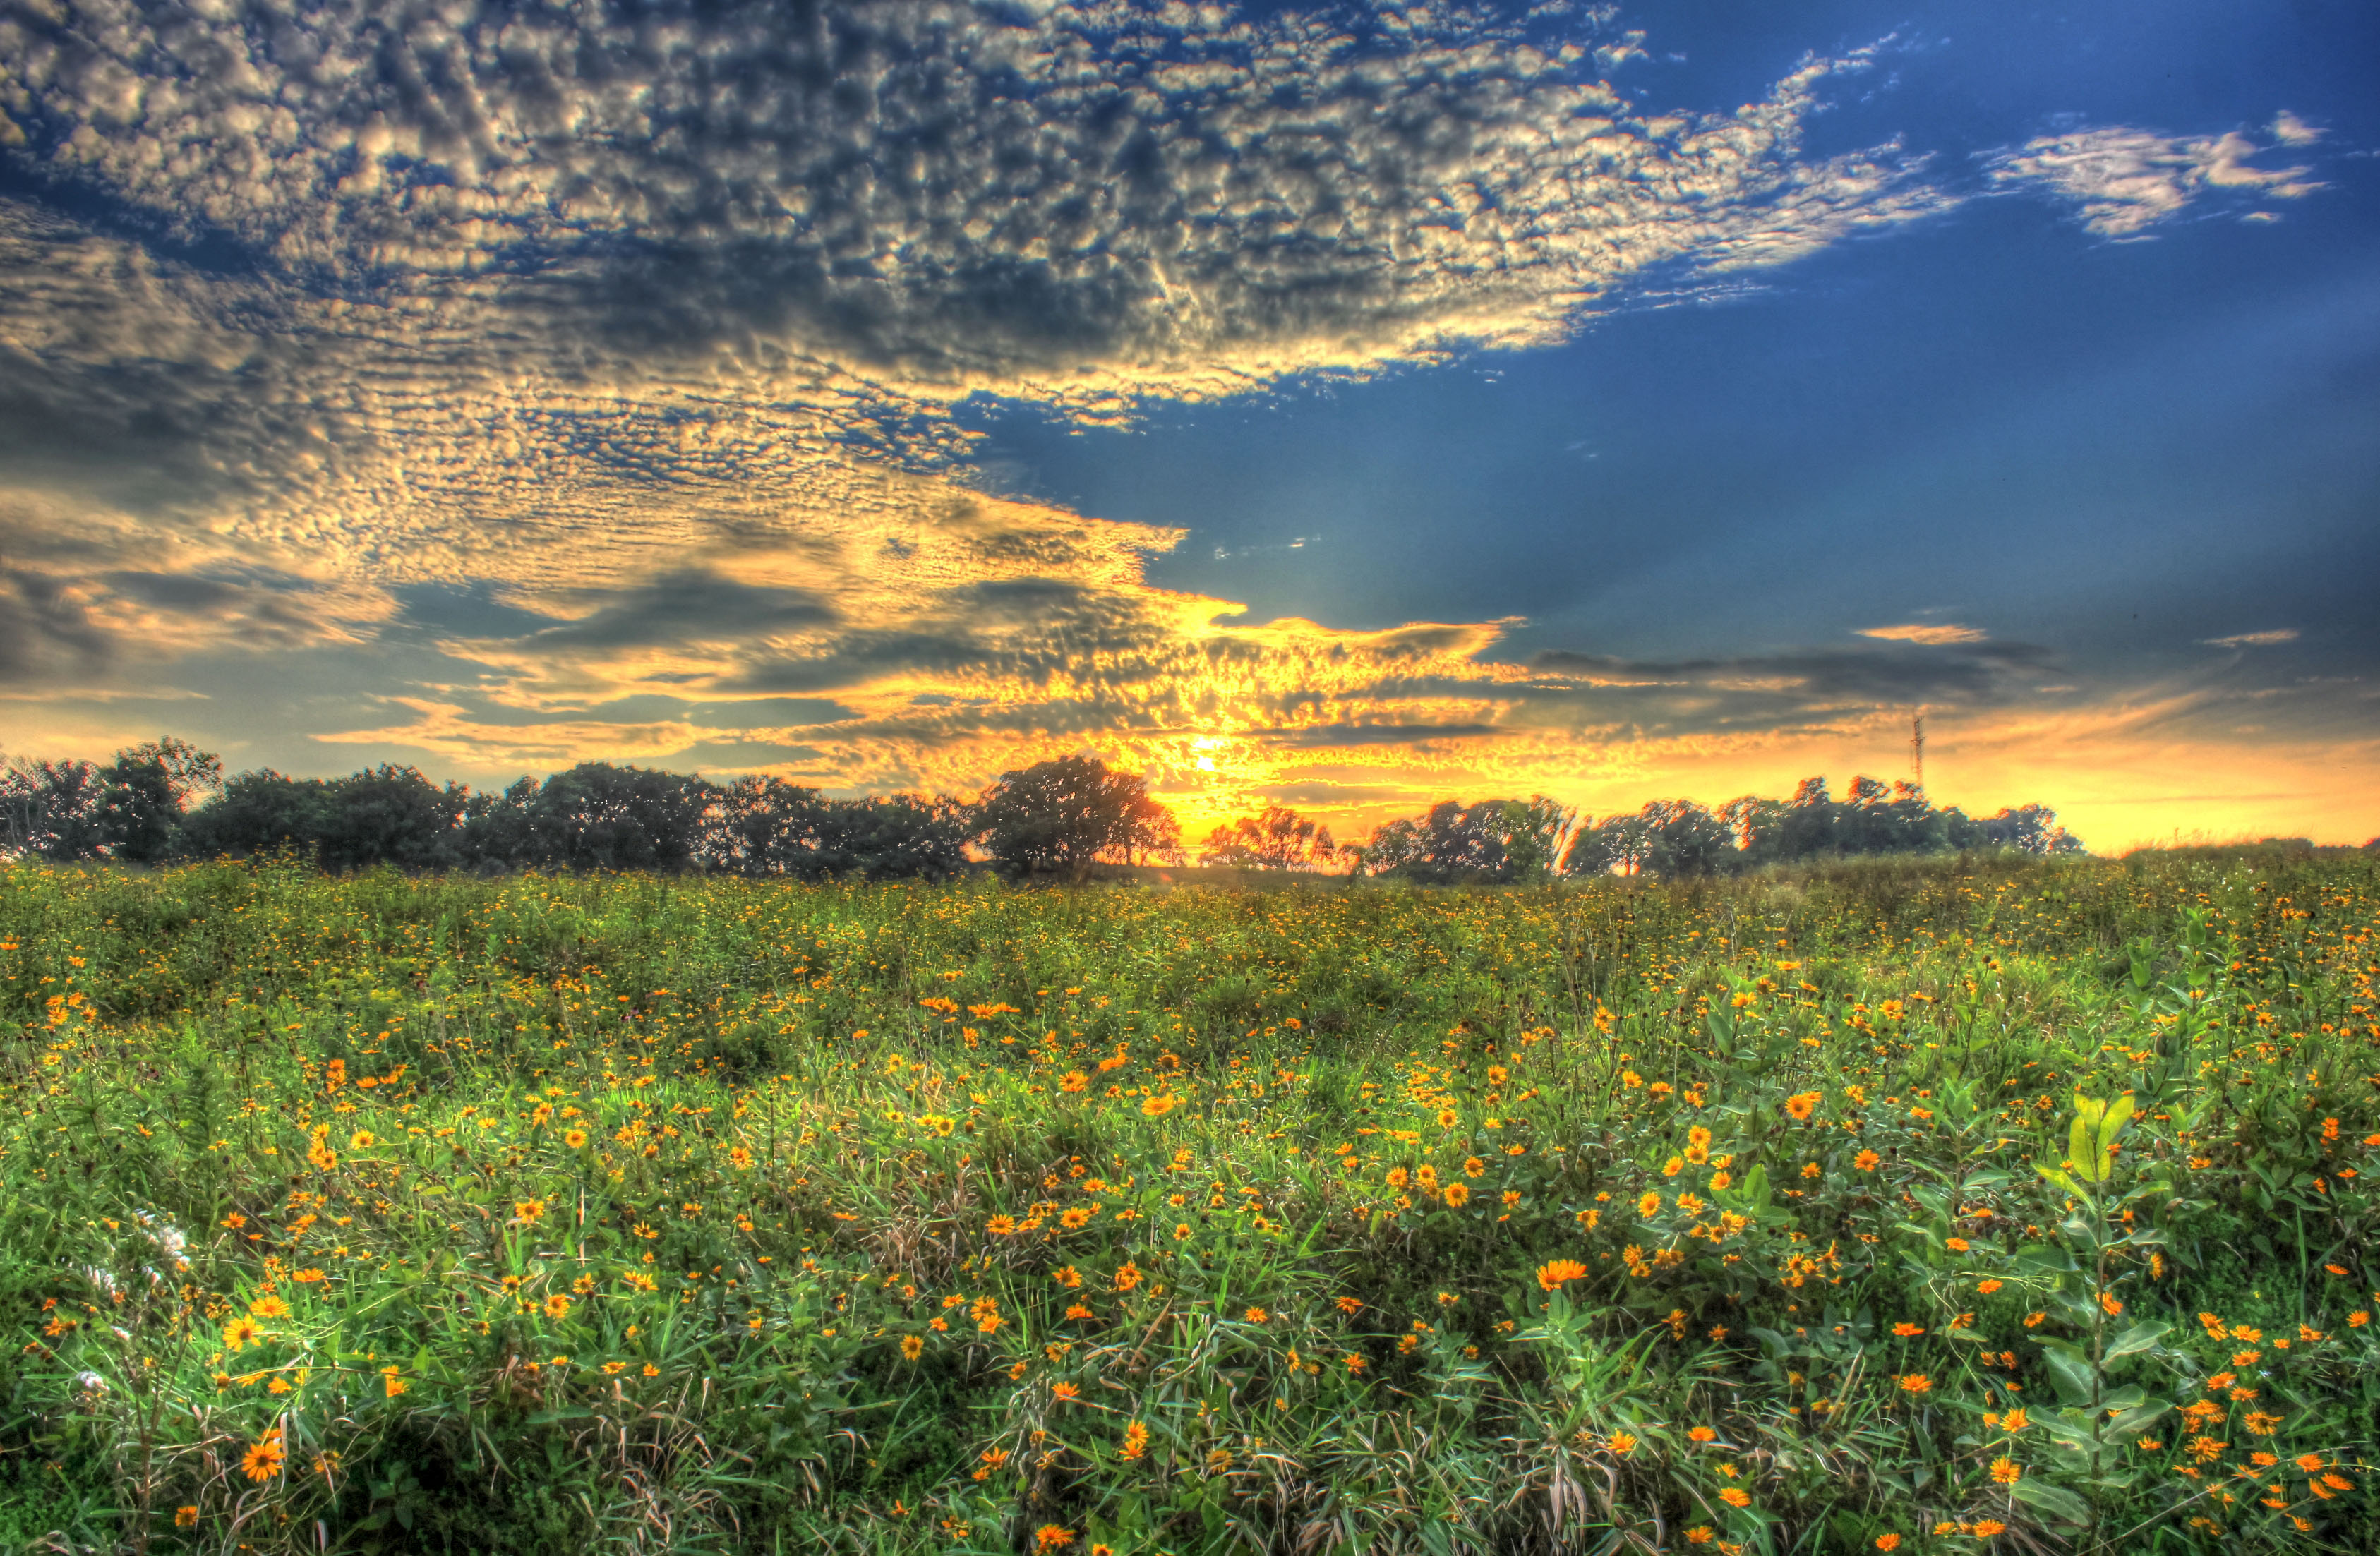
{"x": 1917, "y": 749}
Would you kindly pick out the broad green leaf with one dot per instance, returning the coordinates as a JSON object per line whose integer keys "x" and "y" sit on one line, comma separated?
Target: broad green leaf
{"x": 2056, "y": 1501}
{"x": 2043, "y": 1258}
{"x": 2111, "y": 1123}
{"x": 2137, "y": 1419}
{"x": 2069, "y": 1370}
{"x": 2140, "y": 1337}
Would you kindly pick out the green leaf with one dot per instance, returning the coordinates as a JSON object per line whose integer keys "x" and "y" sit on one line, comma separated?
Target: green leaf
{"x": 2069, "y": 1370}
{"x": 2042, "y": 1259}
{"x": 2136, "y": 1419}
{"x": 2112, "y": 1122}
{"x": 2056, "y": 1501}
{"x": 2140, "y": 1337}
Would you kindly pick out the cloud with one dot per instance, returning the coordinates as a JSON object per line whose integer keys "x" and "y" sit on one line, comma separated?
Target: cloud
{"x": 2291, "y": 130}
{"x": 2254, "y": 640}
{"x": 2127, "y": 180}
{"x": 1920, "y": 632}
{"x": 1802, "y": 686}
{"x": 1089, "y": 206}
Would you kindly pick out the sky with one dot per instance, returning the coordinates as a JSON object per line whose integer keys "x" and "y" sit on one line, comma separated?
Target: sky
{"x": 1350, "y": 407}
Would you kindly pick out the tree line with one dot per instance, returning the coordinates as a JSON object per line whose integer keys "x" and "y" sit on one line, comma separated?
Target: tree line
{"x": 166, "y": 800}
{"x": 1515, "y": 839}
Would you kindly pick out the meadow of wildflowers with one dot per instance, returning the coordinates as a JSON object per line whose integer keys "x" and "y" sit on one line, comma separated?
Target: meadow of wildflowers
{"x": 1922, "y": 1207}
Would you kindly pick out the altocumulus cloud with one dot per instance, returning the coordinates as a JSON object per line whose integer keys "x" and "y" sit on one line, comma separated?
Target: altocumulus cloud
{"x": 649, "y": 322}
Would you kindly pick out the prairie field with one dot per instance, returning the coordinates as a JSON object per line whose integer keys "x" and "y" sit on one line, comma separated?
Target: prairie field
{"x": 1969, "y": 1205}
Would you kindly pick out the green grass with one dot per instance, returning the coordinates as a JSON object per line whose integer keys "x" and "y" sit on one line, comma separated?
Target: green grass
{"x": 649, "y": 1214}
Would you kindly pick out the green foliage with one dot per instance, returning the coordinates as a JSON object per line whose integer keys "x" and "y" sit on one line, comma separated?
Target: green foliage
{"x": 2011, "y": 1205}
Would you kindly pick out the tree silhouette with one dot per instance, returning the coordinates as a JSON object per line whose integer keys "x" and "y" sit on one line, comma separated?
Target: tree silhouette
{"x": 1058, "y": 817}
{"x": 1274, "y": 838}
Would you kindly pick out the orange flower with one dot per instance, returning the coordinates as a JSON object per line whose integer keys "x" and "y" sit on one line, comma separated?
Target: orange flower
{"x": 1135, "y": 1442}
{"x": 1701, "y": 1434}
{"x": 1802, "y": 1104}
{"x": 1051, "y": 1536}
{"x": 1622, "y": 1444}
{"x": 2006, "y": 1471}
{"x": 390, "y": 1382}
{"x": 1555, "y": 1273}
{"x": 1914, "y": 1383}
{"x": 1907, "y": 1331}
{"x": 913, "y": 1347}
{"x": 1866, "y": 1161}
{"x": 262, "y": 1460}
{"x": 1065, "y": 1393}
{"x": 1735, "y": 1496}
{"x": 1888, "y": 1542}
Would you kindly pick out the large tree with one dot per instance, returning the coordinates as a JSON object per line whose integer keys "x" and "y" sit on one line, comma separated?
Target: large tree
{"x": 129, "y": 810}
{"x": 1058, "y": 817}
{"x": 1493, "y": 840}
{"x": 1274, "y": 838}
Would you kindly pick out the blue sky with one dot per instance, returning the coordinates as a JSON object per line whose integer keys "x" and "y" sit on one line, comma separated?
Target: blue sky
{"x": 1357, "y": 407}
